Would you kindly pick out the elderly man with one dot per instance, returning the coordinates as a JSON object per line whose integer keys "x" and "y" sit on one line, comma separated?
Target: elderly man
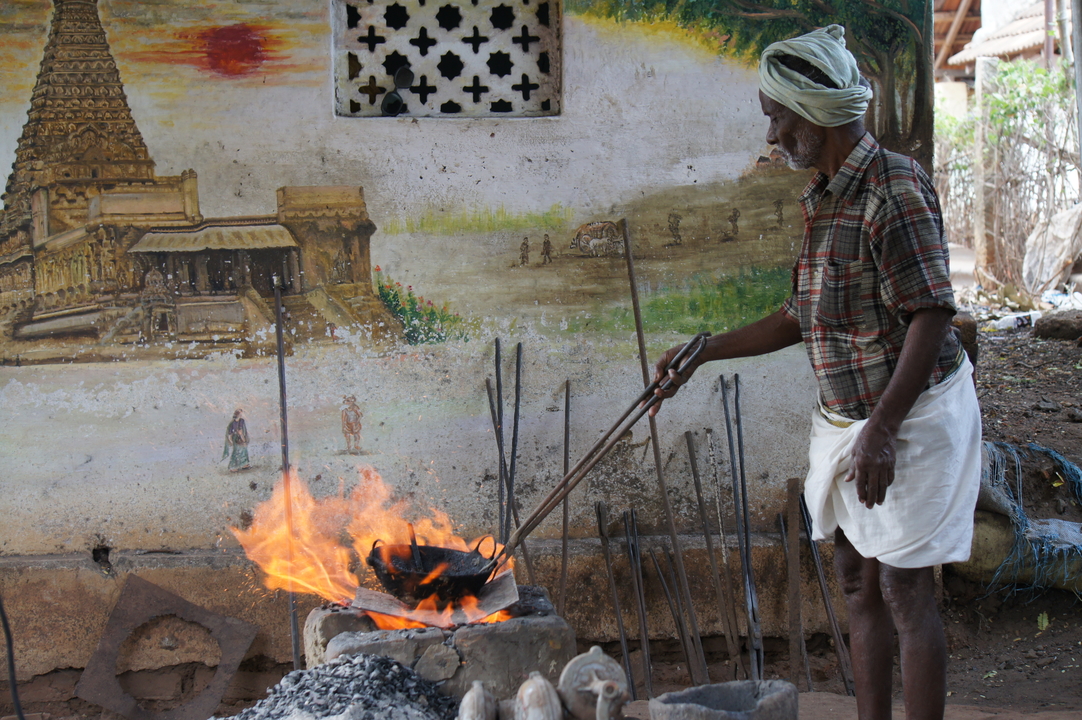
{"x": 894, "y": 463}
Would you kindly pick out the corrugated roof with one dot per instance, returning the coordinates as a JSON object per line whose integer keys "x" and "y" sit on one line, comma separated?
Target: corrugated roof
{"x": 217, "y": 237}
{"x": 1026, "y": 32}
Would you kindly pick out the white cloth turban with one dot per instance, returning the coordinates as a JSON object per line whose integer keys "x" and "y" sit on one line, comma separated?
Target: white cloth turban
{"x": 824, "y": 106}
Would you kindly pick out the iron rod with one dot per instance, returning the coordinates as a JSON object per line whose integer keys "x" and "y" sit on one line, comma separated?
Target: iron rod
{"x": 287, "y": 484}
{"x": 603, "y": 536}
{"x": 756, "y": 634}
{"x": 699, "y": 673}
{"x": 730, "y": 606}
{"x": 845, "y": 666}
{"x": 501, "y": 529}
{"x": 677, "y": 615}
{"x": 755, "y": 646}
{"x": 634, "y": 561}
{"x": 511, "y": 511}
{"x": 561, "y": 601}
{"x": 503, "y": 472}
{"x": 723, "y": 600}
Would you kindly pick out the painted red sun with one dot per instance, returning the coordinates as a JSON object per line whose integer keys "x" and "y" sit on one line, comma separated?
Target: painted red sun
{"x": 233, "y": 50}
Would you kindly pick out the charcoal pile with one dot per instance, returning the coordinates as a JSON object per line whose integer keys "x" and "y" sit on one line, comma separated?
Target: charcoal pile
{"x": 353, "y": 687}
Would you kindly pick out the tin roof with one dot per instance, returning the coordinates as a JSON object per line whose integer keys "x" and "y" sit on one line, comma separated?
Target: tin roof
{"x": 1026, "y": 32}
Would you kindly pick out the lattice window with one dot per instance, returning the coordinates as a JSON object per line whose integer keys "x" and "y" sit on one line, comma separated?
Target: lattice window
{"x": 447, "y": 58}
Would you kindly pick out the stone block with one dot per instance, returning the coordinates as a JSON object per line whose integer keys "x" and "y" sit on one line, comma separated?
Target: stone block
{"x": 438, "y": 662}
{"x": 330, "y": 621}
{"x": 405, "y": 646}
{"x": 502, "y": 655}
{"x": 1061, "y": 325}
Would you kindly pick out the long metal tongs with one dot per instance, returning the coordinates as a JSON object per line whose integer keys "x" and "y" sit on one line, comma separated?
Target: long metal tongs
{"x": 642, "y": 404}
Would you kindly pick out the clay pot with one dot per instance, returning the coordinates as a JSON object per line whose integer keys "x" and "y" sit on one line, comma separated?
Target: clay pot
{"x": 477, "y": 704}
{"x": 537, "y": 700}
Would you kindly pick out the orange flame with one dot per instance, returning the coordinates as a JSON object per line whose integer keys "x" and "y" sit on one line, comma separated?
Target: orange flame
{"x": 332, "y": 533}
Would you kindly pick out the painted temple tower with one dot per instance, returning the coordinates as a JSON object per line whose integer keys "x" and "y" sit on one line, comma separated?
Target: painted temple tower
{"x": 97, "y": 249}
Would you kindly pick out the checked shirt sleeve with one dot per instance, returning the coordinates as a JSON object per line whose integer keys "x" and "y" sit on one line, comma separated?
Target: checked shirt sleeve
{"x": 906, "y": 238}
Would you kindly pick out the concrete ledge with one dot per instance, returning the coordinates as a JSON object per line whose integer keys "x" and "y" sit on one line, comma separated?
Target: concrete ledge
{"x": 59, "y": 604}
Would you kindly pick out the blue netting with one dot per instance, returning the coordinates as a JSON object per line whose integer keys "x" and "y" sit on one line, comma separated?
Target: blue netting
{"x": 1051, "y": 547}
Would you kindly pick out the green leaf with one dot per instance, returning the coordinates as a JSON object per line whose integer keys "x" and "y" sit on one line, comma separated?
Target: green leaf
{"x": 1042, "y": 622}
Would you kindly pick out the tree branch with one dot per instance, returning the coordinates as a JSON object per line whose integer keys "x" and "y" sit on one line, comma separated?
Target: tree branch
{"x": 898, "y": 16}
{"x": 1062, "y": 155}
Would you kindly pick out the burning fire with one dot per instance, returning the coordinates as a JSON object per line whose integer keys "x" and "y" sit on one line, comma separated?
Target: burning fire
{"x": 332, "y": 534}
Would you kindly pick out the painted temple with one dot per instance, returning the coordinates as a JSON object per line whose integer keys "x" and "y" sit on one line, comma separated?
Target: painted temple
{"x": 96, "y": 248}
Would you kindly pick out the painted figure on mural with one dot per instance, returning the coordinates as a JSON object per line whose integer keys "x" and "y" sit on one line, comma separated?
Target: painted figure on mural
{"x": 524, "y": 252}
{"x": 546, "y": 250}
{"x": 351, "y": 425}
{"x": 895, "y": 453}
{"x": 236, "y": 443}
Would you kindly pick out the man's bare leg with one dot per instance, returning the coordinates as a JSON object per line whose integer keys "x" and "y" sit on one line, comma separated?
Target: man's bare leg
{"x": 871, "y": 632}
{"x": 910, "y": 594}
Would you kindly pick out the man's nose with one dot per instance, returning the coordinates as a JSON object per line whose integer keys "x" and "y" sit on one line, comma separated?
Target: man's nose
{"x": 771, "y": 136}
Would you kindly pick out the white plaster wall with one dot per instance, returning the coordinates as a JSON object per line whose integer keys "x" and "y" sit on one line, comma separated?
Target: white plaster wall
{"x": 642, "y": 112}
{"x": 129, "y": 454}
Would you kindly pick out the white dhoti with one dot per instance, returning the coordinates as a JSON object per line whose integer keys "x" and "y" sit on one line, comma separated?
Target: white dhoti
{"x": 927, "y": 516}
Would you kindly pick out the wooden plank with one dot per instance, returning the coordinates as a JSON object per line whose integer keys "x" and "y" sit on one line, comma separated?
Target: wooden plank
{"x": 952, "y": 34}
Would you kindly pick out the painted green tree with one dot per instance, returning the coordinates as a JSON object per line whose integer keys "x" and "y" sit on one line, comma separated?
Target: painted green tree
{"x": 891, "y": 40}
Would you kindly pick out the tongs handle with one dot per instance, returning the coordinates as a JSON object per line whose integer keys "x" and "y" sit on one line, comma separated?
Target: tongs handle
{"x": 686, "y": 355}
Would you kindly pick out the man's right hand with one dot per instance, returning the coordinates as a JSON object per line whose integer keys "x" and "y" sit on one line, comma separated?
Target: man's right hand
{"x": 678, "y": 379}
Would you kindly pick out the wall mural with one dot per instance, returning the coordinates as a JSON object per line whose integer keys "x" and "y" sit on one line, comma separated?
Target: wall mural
{"x": 171, "y": 163}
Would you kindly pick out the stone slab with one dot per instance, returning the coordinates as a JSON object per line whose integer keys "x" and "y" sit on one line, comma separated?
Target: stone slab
{"x": 404, "y": 646}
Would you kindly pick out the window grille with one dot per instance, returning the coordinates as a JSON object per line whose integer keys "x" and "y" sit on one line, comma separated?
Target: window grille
{"x": 440, "y": 58}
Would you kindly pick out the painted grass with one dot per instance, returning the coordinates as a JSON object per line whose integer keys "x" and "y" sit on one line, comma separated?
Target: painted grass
{"x": 555, "y": 219}
{"x": 706, "y": 304}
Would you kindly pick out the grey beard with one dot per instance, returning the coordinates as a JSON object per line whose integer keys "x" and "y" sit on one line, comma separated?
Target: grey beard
{"x": 809, "y": 148}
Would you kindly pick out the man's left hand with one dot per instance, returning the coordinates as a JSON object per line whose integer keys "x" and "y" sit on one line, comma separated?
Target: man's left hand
{"x": 872, "y": 464}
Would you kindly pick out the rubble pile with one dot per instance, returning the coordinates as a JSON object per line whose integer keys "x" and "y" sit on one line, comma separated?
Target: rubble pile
{"x": 353, "y": 687}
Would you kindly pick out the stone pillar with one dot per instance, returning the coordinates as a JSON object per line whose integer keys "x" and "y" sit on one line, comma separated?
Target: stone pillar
{"x": 202, "y": 282}
{"x": 244, "y": 268}
{"x": 984, "y": 241}
{"x": 184, "y": 279}
{"x": 294, "y": 273}
{"x": 189, "y": 189}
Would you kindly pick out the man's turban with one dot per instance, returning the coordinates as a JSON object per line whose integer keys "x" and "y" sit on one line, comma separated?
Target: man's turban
{"x": 822, "y": 105}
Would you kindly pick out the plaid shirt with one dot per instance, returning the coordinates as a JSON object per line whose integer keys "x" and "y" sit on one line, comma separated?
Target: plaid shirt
{"x": 873, "y": 254}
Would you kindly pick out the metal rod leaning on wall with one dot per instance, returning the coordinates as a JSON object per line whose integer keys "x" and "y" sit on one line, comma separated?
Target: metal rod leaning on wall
{"x": 845, "y": 666}
{"x": 752, "y": 589}
{"x": 502, "y": 472}
{"x": 603, "y": 536}
{"x": 634, "y": 562}
{"x": 730, "y": 606}
{"x": 501, "y": 531}
{"x": 512, "y": 511}
{"x": 677, "y": 616}
{"x": 287, "y": 484}
{"x": 699, "y": 673}
{"x": 724, "y": 600}
{"x": 561, "y": 601}
{"x": 751, "y": 609}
